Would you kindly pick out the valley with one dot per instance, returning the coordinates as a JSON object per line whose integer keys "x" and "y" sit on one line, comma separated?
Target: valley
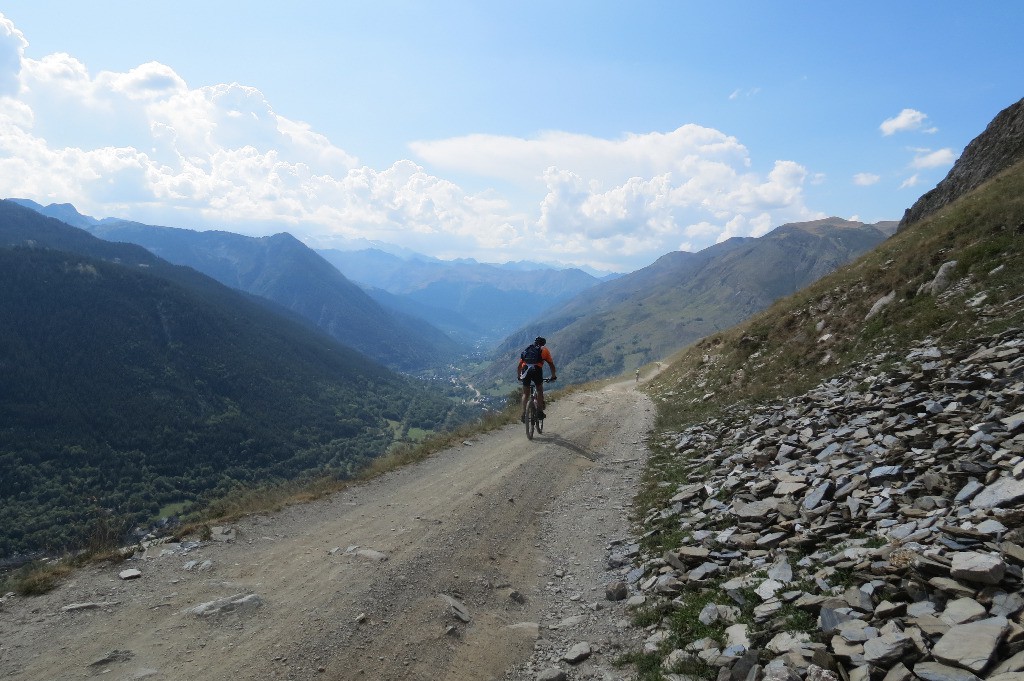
{"x": 878, "y": 382}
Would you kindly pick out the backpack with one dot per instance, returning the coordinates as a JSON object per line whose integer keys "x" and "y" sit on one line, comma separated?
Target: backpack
{"x": 531, "y": 355}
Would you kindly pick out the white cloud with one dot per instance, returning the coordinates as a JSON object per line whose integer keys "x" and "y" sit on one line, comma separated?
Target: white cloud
{"x": 906, "y": 120}
{"x": 640, "y": 193}
{"x": 524, "y": 161}
{"x": 910, "y": 181}
{"x": 866, "y": 179}
{"x": 152, "y": 81}
{"x": 740, "y": 92}
{"x": 926, "y": 158}
{"x": 145, "y": 145}
{"x": 12, "y": 47}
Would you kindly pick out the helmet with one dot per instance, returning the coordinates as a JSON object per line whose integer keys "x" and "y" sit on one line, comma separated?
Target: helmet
{"x": 540, "y": 340}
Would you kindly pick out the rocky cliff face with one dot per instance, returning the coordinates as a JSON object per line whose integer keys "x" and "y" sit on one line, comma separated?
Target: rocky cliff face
{"x": 998, "y": 148}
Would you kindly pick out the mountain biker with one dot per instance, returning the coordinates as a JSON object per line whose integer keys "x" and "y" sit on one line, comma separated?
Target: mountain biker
{"x": 533, "y": 371}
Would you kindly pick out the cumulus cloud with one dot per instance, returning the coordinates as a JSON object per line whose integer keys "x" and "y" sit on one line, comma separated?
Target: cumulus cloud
{"x": 906, "y": 120}
{"x": 866, "y": 179}
{"x": 639, "y": 194}
{"x": 145, "y": 144}
{"x": 522, "y": 161}
{"x": 926, "y": 158}
{"x": 12, "y": 47}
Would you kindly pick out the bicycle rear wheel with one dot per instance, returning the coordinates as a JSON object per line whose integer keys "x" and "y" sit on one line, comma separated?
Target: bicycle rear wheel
{"x": 531, "y": 419}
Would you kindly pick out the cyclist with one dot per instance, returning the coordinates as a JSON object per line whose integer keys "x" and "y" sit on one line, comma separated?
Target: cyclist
{"x": 531, "y": 369}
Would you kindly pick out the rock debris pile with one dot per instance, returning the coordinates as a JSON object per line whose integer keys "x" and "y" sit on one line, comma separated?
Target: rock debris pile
{"x": 869, "y": 529}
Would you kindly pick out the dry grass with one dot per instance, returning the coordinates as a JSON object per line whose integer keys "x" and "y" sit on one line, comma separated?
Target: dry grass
{"x": 823, "y": 330}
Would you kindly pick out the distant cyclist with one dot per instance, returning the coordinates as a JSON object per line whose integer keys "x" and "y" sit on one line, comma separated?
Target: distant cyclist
{"x": 531, "y": 370}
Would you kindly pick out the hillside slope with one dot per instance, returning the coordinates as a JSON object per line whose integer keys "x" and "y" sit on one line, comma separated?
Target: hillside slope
{"x": 130, "y": 384}
{"x": 844, "y": 469}
{"x": 284, "y": 270}
{"x": 1000, "y": 146}
{"x": 646, "y": 315}
{"x": 890, "y": 297}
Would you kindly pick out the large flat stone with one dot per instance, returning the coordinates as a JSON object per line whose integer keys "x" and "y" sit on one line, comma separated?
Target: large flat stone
{"x": 1005, "y": 491}
{"x": 935, "y": 671}
{"x": 972, "y": 646}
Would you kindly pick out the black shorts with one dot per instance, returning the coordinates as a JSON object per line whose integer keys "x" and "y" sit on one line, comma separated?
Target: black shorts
{"x": 535, "y": 374}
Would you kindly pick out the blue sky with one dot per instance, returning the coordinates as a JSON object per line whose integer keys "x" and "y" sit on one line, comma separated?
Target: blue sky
{"x": 593, "y": 133}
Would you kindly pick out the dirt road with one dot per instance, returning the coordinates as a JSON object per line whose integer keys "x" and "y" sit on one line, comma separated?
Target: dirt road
{"x": 377, "y": 582}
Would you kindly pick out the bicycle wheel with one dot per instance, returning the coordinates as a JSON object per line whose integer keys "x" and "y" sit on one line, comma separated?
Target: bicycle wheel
{"x": 531, "y": 419}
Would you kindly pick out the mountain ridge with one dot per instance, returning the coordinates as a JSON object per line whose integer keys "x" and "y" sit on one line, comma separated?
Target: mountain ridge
{"x": 998, "y": 147}
{"x": 281, "y": 268}
{"x": 481, "y": 301}
{"x": 646, "y": 315}
{"x": 139, "y": 384}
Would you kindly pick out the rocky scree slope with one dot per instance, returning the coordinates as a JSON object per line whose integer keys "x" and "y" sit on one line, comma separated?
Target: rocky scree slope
{"x": 838, "y": 492}
{"x": 867, "y": 529}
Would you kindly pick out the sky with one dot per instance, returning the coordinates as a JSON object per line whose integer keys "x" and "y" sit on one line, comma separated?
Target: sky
{"x": 587, "y": 133}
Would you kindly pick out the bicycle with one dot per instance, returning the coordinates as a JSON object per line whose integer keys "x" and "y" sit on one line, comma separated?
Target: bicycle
{"x": 533, "y": 421}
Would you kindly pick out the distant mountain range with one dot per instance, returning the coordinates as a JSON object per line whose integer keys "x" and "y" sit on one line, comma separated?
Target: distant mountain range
{"x": 651, "y": 313}
{"x": 130, "y": 383}
{"x": 140, "y": 383}
{"x": 475, "y": 302}
{"x": 598, "y": 328}
{"x": 410, "y": 312}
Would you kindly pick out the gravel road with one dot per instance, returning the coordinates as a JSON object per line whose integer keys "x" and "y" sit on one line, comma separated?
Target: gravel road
{"x": 378, "y": 581}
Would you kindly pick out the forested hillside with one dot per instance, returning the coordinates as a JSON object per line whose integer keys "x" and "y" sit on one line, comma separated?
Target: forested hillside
{"x": 282, "y": 269}
{"x": 131, "y": 386}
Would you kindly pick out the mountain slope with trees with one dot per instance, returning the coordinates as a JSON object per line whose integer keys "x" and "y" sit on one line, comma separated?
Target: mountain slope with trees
{"x": 649, "y": 314}
{"x": 131, "y": 384}
{"x": 283, "y": 269}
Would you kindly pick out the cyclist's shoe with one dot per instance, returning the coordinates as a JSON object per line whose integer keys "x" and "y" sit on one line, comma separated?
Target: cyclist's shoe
{"x": 522, "y": 418}
{"x": 541, "y": 415}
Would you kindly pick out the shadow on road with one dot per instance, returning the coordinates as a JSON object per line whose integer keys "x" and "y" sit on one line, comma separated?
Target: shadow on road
{"x": 568, "y": 444}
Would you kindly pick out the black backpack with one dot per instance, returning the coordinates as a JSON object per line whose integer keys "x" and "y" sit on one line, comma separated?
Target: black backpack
{"x": 531, "y": 355}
